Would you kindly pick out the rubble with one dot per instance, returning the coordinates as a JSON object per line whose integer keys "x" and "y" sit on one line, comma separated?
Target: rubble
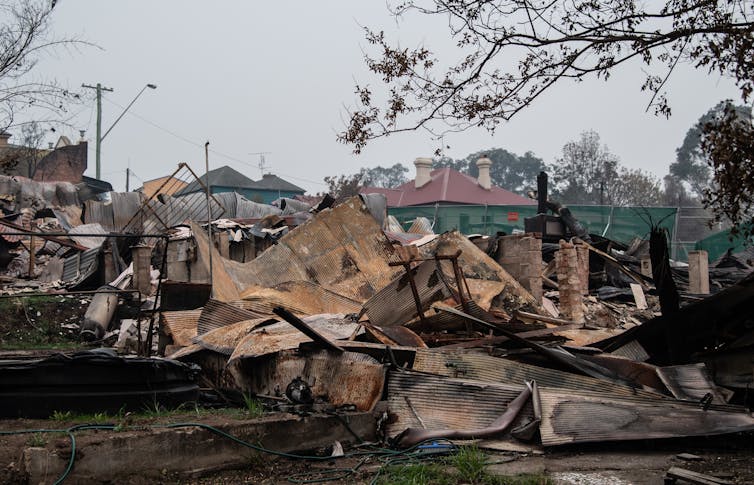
{"x": 336, "y": 307}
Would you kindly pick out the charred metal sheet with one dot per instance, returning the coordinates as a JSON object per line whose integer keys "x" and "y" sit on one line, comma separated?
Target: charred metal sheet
{"x": 690, "y": 382}
{"x": 580, "y": 417}
{"x": 225, "y": 339}
{"x": 92, "y": 381}
{"x": 182, "y": 295}
{"x": 292, "y": 206}
{"x": 398, "y": 335}
{"x": 180, "y": 325}
{"x": 217, "y": 314}
{"x": 432, "y": 402}
{"x": 283, "y": 336}
{"x": 482, "y": 367}
{"x": 88, "y": 241}
{"x": 395, "y": 304}
{"x": 732, "y": 367}
{"x": 346, "y": 378}
{"x": 414, "y": 436}
{"x": 239, "y": 207}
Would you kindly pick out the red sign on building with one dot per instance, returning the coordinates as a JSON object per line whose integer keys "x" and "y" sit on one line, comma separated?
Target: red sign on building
{"x": 513, "y": 217}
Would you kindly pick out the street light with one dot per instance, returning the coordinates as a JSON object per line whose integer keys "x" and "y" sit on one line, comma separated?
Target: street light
{"x": 150, "y": 86}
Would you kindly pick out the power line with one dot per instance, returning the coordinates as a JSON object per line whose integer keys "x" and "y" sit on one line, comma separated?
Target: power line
{"x": 199, "y": 145}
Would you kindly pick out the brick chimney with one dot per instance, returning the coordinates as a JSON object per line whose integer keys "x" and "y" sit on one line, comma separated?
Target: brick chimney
{"x": 423, "y": 168}
{"x": 484, "y": 164}
{"x": 4, "y": 136}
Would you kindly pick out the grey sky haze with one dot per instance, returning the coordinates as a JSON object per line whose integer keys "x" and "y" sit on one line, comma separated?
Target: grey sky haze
{"x": 276, "y": 77}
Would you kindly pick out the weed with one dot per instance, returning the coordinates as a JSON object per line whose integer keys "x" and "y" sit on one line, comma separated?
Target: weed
{"x": 37, "y": 440}
{"x": 155, "y": 410}
{"x": 416, "y": 474}
{"x": 61, "y": 416}
{"x": 470, "y": 462}
{"x": 254, "y": 408}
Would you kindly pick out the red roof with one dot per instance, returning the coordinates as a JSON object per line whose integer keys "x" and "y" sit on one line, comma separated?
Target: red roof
{"x": 448, "y": 186}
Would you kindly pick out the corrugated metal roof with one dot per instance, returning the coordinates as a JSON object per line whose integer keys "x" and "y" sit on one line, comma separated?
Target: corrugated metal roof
{"x": 216, "y": 314}
{"x": 180, "y": 325}
{"x": 99, "y": 212}
{"x": 580, "y": 417}
{"x": 395, "y": 304}
{"x": 421, "y": 225}
{"x": 432, "y": 402}
{"x": 225, "y": 339}
{"x": 125, "y": 205}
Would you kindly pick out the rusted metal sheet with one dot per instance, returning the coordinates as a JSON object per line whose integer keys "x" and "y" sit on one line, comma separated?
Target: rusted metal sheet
{"x": 395, "y": 304}
{"x": 398, "y": 335}
{"x": 180, "y": 325}
{"x": 433, "y": 402}
{"x": 217, "y": 314}
{"x": 690, "y": 382}
{"x": 347, "y": 378}
{"x": 306, "y": 329}
{"x": 301, "y": 297}
{"x": 487, "y": 280}
{"x": 482, "y": 367}
{"x": 580, "y": 417}
{"x": 225, "y": 339}
{"x": 421, "y": 225}
{"x": 283, "y": 336}
{"x": 342, "y": 249}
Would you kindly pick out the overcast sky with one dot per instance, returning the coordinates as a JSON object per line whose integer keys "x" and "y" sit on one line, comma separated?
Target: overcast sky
{"x": 276, "y": 77}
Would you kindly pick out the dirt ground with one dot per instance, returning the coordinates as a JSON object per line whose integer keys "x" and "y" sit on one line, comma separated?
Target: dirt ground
{"x": 635, "y": 463}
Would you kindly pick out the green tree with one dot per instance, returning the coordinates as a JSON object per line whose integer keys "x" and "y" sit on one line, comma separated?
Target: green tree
{"x": 585, "y": 173}
{"x": 509, "y": 52}
{"x": 386, "y": 177}
{"x": 509, "y": 171}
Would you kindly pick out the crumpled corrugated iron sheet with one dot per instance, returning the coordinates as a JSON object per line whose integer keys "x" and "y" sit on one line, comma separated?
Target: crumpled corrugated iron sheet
{"x": 300, "y": 297}
{"x": 239, "y": 207}
{"x": 433, "y": 402}
{"x": 216, "y": 314}
{"x": 421, "y": 225}
{"x": 88, "y": 241}
{"x": 347, "y": 378}
{"x": 481, "y": 367}
{"x": 180, "y": 325}
{"x": 284, "y": 336}
{"x": 24, "y": 220}
{"x": 690, "y": 382}
{"x": 395, "y": 304}
{"x": 68, "y": 216}
{"x": 342, "y": 249}
{"x": 225, "y": 339}
{"x": 293, "y": 206}
{"x": 487, "y": 280}
{"x": 570, "y": 416}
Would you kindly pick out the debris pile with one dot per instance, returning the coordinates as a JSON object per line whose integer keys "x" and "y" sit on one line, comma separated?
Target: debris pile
{"x": 521, "y": 341}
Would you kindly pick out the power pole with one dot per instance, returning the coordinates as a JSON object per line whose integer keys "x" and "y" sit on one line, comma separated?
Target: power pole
{"x": 99, "y": 88}
{"x": 128, "y": 174}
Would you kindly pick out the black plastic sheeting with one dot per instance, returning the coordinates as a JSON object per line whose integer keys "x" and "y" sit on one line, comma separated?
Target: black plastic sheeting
{"x": 93, "y": 381}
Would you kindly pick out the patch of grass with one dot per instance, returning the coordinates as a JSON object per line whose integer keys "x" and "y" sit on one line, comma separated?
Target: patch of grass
{"x": 61, "y": 416}
{"x": 36, "y": 322}
{"x": 416, "y": 474}
{"x": 93, "y": 418}
{"x": 37, "y": 440}
{"x": 467, "y": 466}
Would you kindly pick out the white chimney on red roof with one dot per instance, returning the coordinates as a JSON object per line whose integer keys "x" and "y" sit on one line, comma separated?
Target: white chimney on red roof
{"x": 484, "y": 164}
{"x": 423, "y": 168}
